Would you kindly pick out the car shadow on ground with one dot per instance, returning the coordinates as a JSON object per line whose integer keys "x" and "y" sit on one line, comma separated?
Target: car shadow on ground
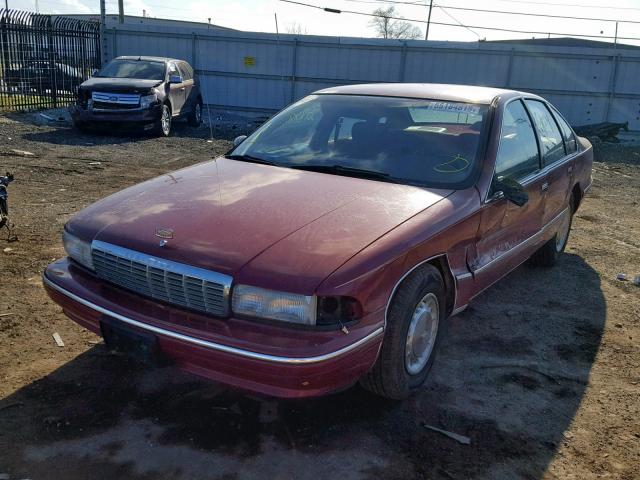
{"x": 510, "y": 374}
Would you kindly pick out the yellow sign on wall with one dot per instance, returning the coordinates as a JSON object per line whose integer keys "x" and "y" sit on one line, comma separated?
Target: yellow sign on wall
{"x": 249, "y": 61}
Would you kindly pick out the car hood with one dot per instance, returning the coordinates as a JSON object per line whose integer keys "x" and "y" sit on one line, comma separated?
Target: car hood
{"x": 284, "y": 228}
{"x": 120, "y": 84}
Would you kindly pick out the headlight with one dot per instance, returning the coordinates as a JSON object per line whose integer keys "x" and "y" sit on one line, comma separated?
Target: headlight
{"x": 78, "y": 249}
{"x": 263, "y": 303}
{"x": 147, "y": 100}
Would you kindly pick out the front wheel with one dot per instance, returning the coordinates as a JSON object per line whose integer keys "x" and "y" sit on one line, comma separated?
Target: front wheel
{"x": 4, "y": 212}
{"x": 414, "y": 324}
{"x": 163, "y": 126}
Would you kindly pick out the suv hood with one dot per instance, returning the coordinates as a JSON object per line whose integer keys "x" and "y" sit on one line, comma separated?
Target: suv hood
{"x": 132, "y": 85}
{"x": 288, "y": 227}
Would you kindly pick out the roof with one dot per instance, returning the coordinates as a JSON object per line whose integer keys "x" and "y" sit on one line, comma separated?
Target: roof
{"x": 563, "y": 42}
{"x": 148, "y": 59}
{"x": 434, "y": 91}
{"x": 136, "y": 19}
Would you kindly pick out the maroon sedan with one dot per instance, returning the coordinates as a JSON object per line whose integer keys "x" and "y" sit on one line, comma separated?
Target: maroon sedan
{"x": 331, "y": 245}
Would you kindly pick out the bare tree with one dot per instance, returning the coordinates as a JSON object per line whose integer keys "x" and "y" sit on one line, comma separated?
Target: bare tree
{"x": 296, "y": 28}
{"x": 386, "y": 23}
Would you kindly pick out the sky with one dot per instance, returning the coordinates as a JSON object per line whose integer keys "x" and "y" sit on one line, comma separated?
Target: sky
{"x": 258, "y": 15}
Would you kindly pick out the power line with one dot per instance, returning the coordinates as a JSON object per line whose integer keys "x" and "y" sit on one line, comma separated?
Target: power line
{"x": 497, "y": 29}
{"x": 456, "y": 20}
{"x": 505, "y": 12}
{"x": 538, "y": 14}
{"x": 606, "y": 7}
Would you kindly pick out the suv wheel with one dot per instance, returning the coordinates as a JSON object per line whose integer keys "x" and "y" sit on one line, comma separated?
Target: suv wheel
{"x": 414, "y": 321}
{"x": 195, "y": 117}
{"x": 163, "y": 127}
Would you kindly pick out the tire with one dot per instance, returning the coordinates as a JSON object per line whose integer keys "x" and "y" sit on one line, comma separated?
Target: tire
{"x": 547, "y": 256}
{"x": 195, "y": 117}
{"x": 397, "y": 371}
{"x": 81, "y": 126}
{"x": 4, "y": 211}
{"x": 163, "y": 125}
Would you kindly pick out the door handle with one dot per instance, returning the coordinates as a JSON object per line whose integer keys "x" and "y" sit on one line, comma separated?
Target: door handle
{"x": 545, "y": 186}
{"x": 570, "y": 169}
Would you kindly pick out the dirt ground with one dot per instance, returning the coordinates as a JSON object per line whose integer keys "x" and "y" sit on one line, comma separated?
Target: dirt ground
{"x": 542, "y": 372}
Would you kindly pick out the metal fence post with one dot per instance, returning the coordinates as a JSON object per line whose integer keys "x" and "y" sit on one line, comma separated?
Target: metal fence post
{"x": 50, "y": 51}
{"x": 612, "y": 86}
{"x": 403, "y": 62}
{"x": 294, "y": 66}
{"x": 114, "y": 43}
{"x": 512, "y": 54}
{"x": 194, "y": 40}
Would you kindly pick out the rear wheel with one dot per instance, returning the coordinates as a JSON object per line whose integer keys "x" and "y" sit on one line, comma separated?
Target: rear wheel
{"x": 195, "y": 117}
{"x": 414, "y": 326}
{"x": 547, "y": 255}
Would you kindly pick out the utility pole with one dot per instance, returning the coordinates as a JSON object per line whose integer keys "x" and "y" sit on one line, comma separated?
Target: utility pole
{"x": 426, "y": 35}
{"x": 120, "y": 11}
{"x": 615, "y": 41}
{"x": 103, "y": 32}
{"x": 6, "y": 4}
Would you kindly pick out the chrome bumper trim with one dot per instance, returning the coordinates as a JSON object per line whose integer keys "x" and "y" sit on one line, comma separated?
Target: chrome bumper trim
{"x": 212, "y": 345}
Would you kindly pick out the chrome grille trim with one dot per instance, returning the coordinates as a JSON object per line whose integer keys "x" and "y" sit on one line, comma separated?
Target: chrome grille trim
{"x": 176, "y": 283}
{"x": 116, "y": 98}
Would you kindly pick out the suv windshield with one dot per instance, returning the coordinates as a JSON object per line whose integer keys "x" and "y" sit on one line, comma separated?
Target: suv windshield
{"x": 133, "y": 69}
{"x": 421, "y": 142}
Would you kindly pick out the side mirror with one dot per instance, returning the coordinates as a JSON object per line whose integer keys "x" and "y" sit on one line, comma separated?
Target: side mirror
{"x": 511, "y": 190}
{"x": 94, "y": 72}
{"x": 238, "y": 140}
{"x": 175, "y": 79}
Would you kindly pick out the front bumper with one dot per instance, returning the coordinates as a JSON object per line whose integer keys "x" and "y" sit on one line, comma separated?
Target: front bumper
{"x": 137, "y": 115}
{"x": 273, "y": 360}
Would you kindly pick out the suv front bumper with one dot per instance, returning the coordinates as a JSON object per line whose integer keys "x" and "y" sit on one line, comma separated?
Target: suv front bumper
{"x": 136, "y": 115}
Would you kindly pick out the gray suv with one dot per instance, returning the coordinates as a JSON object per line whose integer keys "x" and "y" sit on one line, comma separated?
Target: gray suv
{"x": 148, "y": 91}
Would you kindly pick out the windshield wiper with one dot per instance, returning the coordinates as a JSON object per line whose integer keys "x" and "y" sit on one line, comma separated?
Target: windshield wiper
{"x": 348, "y": 171}
{"x": 250, "y": 158}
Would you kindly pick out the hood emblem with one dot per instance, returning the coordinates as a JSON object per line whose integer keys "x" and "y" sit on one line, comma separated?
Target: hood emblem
{"x": 165, "y": 234}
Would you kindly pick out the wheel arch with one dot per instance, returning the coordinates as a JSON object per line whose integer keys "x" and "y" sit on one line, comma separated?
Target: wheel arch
{"x": 577, "y": 196}
{"x": 441, "y": 263}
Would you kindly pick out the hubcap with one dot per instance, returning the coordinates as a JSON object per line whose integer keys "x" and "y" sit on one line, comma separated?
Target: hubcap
{"x": 166, "y": 120}
{"x": 563, "y": 230}
{"x": 421, "y": 336}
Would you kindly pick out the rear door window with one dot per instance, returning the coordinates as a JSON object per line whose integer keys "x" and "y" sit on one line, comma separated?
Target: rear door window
{"x": 569, "y": 137}
{"x": 187, "y": 72}
{"x": 518, "y": 154}
{"x": 550, "y": 137}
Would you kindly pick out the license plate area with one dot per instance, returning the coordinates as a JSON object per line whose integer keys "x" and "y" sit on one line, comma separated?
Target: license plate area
{"x": 119, "y": 337}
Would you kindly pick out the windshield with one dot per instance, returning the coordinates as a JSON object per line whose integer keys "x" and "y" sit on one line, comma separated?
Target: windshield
{"x": 421, "y": 142}
{"x": 133, "y": 69}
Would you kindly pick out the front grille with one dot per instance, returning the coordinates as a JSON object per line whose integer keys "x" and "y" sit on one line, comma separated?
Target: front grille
{"x": 176, "y": 283}
{"x": 113, "y": 106}
{"x": 120, "y": 100}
